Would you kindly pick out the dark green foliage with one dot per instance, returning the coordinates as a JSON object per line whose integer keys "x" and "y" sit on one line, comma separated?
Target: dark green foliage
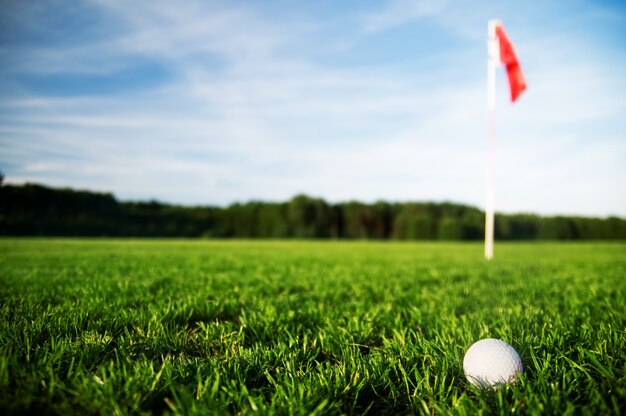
{"x": 38, "y": 210}
{"x": 308, "y": 217}
{"x": 327, "y": 328}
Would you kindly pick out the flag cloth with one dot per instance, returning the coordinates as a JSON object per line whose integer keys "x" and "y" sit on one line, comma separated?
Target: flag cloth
{"x": 509, "y": 60}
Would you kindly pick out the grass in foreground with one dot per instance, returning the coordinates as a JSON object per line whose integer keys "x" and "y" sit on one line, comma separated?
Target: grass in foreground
{"x": 197, "y": 327}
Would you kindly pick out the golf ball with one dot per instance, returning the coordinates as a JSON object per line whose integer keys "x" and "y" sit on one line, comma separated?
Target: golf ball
{"x": 490, "y": 362}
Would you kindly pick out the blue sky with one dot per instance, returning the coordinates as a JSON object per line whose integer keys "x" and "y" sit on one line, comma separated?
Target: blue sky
{"x": 213, "y": 102}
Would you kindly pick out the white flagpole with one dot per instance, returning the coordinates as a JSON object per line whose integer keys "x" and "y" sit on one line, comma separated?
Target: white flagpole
{"x": 493, "y": 60}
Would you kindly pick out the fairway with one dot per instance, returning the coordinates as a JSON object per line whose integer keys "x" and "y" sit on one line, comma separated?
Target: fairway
{"x": 281, "y": 327}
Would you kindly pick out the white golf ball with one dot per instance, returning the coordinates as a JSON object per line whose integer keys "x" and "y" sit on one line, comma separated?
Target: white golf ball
{"x": 490, "y": 362}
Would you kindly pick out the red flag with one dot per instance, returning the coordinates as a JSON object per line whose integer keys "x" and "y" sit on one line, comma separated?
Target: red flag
{"x": 509, "y": 60}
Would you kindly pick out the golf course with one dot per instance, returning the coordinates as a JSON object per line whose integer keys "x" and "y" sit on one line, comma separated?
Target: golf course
{"x": 193, "y": 326}
{"x": 382, "y": 208}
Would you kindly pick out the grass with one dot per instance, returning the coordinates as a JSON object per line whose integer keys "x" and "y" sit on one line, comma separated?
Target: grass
{"x": 240, "y": 327}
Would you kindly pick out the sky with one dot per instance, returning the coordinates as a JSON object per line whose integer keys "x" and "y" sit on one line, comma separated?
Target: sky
{"x": 216, "y": 102}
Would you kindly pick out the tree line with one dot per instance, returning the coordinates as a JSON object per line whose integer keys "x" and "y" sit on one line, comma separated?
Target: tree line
{"x": 36, "y": 210}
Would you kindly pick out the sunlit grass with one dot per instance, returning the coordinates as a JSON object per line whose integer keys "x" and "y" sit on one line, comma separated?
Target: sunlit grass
{"x": 214, "y": 327}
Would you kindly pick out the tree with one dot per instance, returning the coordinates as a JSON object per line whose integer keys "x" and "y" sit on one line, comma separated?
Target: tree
{"x": 33, "y": 209}
{"x": 309, "y": 217}
{"x": 450, "y": 229}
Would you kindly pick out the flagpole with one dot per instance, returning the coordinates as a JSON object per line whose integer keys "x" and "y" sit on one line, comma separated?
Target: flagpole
{"x": 493, "y": 59}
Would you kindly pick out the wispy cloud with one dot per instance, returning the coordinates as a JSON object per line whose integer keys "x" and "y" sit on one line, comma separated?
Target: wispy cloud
{"x": 400, "y": 12}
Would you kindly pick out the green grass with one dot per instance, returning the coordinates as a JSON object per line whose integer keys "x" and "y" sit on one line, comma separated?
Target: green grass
{"x": 211, "y": 327}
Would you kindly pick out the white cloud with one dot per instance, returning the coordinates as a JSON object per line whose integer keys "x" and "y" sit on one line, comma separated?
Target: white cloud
{"x": 400, "y": 12}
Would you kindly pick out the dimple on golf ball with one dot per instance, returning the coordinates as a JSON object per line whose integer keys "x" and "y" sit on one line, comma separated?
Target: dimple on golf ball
{"x": 491, "y": 362}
